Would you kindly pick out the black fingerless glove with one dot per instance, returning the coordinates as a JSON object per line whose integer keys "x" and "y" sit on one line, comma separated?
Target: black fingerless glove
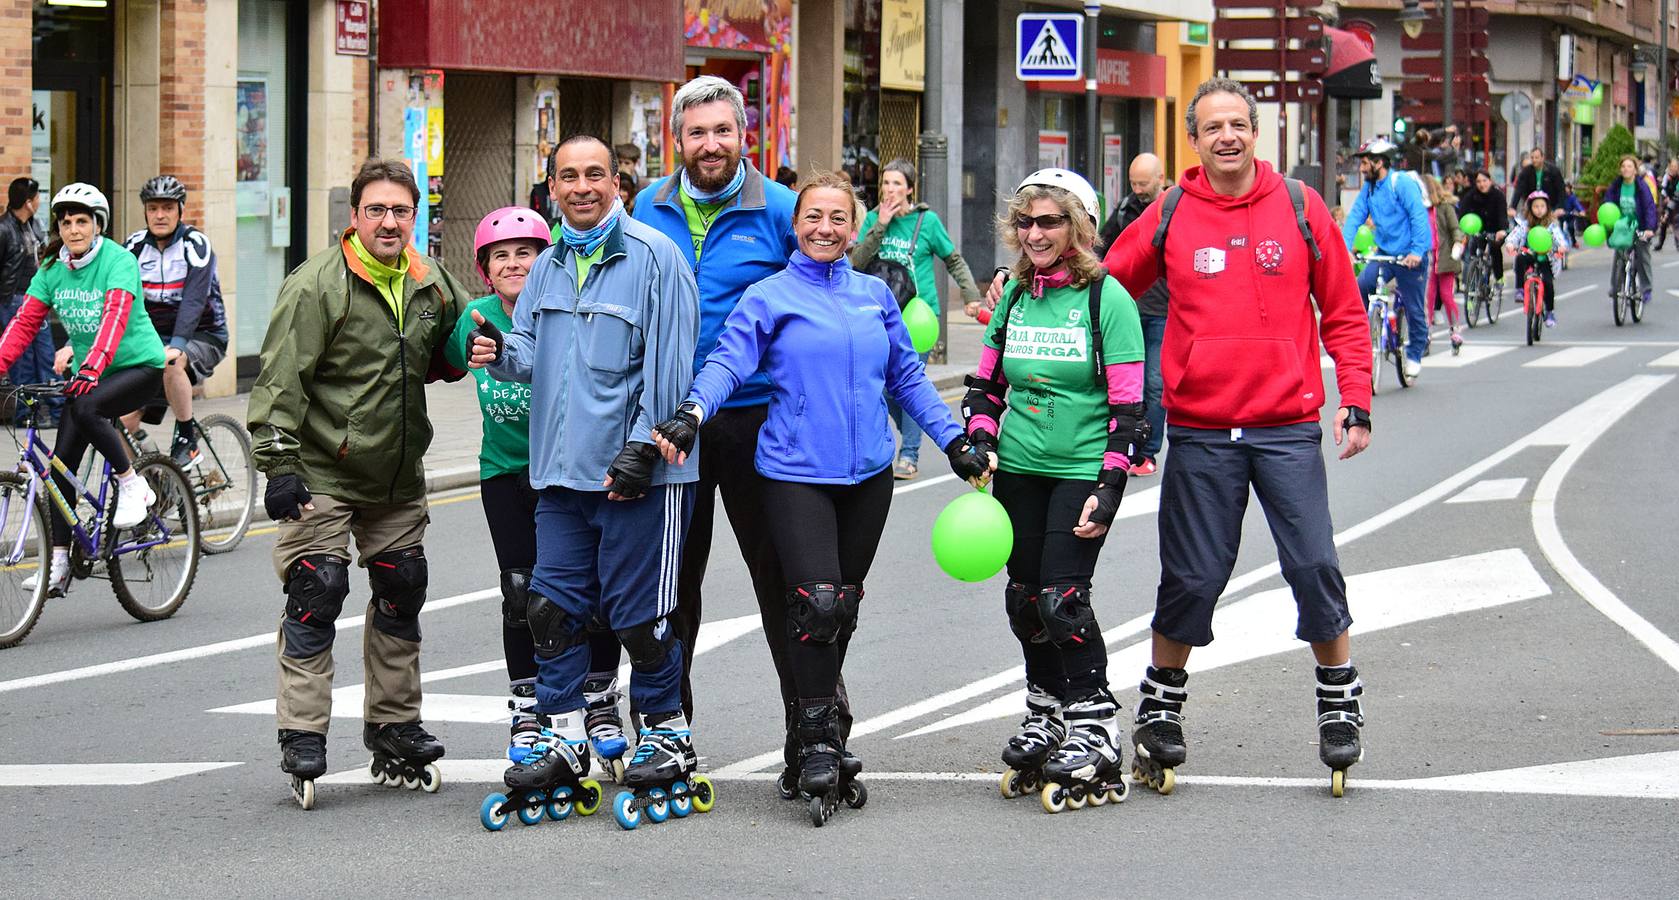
{"x": 285, "y": 497}
{"x": 682, "y": 428}
{"x": 967, "y": 460}
{"x": 632, "y": 470}
{"x": 489, "y": 330}
{"x": 1110, "y": 487}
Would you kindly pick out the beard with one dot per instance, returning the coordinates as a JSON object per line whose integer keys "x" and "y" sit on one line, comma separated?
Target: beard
{"x": 711, "y": 183}
{"x": 1373, "y": 175}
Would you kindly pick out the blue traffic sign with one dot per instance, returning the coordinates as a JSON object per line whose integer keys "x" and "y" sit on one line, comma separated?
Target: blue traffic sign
{"x": 1049, "y": 47}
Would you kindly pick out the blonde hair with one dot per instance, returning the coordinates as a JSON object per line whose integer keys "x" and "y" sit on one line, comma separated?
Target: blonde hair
{"x": 1438, "y": 193}
{"x": 1083, "y": 264}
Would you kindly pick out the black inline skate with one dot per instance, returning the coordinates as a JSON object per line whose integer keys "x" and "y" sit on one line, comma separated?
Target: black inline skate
{"x": 605, "y": 724}
{"x": 550, "y": 780}
{"x": 1088, "y": 768}
{"x": 1041, "y": 734}
{"x": 1340, "y": 716}
{"x": 827, "y": 773}
{"x": 303, "y": 757}
{"x": 660, "y": 778}
{"x": 1158, "y": 738}
{"x": 404, "y": 755}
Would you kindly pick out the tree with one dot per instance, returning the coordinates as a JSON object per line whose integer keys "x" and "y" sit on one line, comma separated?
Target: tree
{"x": 1606, "y": 157}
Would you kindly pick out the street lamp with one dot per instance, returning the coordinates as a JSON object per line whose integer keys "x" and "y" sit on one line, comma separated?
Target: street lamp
{"x": 1412, "y": 17}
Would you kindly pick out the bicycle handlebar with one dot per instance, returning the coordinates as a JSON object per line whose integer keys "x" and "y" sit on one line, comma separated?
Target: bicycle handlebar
{"x": 37, "y": 389}
{"x": 1379, "y": 258}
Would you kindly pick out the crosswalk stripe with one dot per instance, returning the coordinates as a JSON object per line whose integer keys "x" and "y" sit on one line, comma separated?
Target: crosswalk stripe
{"x": 100, "y": 774}
{"x": 1671, "y": 360}
{"x": 1470, "y": 354}
{"x": 1572, "y": 358}
{"x": 1491, "y": 489}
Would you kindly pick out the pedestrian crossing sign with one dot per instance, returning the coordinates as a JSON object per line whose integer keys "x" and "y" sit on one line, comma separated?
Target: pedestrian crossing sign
{"x": 1049, "y": 47}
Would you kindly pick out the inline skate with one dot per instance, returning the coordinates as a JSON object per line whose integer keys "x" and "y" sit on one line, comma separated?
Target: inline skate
{"x": 523, "y": 730}
{"x": 1041, "y": 734}
{"x": 606, "y": 726}
{"x": 550, "y": 780}
{"x": 404, "y": 755}
{"x": 827, "y": 773}
{"x": 303, "y": 757}
{"x": 1088, "y": 767}
{"x": 1340, "y": 716}
{"x": 660, "y": 780}
{"x": 1158, "y": 738}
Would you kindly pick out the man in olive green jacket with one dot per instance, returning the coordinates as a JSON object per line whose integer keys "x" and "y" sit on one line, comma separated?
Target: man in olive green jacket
{"x": 339, "y": 416}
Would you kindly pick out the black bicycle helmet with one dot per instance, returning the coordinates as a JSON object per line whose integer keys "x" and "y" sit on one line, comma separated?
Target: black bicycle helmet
{"x": 164, "y": 187}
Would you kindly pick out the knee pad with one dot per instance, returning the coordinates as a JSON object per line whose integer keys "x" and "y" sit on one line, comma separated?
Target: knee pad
{"x": 851, "y": 603}
{"x": 814, "y": 614}
{"x": 398, "y": 579}
{"x": 552, "y": 631}
{"x": 1066, "y": 613}
{"x": 649, "y": 643}
{"x": 316, "y": 586}
{"x": 1020, "y": 602}
{"x": 515, "y": 597}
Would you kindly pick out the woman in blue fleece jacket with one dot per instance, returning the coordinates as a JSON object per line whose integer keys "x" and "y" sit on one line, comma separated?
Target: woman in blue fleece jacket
{"x": 831, "y": 341}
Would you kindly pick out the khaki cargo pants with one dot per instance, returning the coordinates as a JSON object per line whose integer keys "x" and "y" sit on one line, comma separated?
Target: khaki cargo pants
{"x": 391, "y": 663}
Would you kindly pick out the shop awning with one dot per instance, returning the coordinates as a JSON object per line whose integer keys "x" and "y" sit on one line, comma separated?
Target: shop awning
{"x": 1352, "y": 66}
{"x": 638, "y": 40}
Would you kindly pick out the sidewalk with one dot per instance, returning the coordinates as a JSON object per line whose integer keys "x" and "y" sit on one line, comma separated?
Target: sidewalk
{"x": 452, "y": 461}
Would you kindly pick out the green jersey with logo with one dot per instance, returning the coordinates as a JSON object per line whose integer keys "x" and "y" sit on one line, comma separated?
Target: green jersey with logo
{"x": 77, "y": 296}
{"x": 933, "y": 243}
{"x": 1057, "y": 421}
{"x": 506, "y": 405}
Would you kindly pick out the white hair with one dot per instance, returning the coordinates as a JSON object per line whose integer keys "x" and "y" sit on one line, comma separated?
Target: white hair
{"x": 702, "y": 90}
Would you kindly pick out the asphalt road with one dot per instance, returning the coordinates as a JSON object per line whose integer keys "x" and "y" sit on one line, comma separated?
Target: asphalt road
{"x": 1508, "y": 544}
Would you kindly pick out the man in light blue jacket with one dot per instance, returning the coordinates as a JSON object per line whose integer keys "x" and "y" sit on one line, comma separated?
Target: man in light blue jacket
{"x": 604, "y": 332}
{"x": 1392, "y": 202}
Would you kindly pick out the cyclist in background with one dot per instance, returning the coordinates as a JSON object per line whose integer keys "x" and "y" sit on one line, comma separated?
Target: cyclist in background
{"x": 1537, "y": 214}
{"x": 1393, "y": 203}
{"x": 1635, "y": 194}
{"x": 184, "y": 301}
{"x": 1484, "y": 199}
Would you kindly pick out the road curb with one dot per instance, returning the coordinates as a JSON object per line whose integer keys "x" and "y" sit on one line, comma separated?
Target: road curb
{"x": 451, "y": 478}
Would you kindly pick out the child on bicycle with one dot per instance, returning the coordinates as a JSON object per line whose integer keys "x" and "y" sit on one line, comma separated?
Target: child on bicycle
{"x": 1537, "y": 213}
{"x": 92, "y": 284}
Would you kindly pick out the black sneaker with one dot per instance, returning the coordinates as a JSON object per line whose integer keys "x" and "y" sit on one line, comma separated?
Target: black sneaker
{"x": 184, "y": 451}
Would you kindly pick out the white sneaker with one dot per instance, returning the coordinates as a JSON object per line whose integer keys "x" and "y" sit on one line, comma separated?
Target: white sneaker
{"x": 133, "y": 497}
{"x": 1413, "y": 368}
{"x": 56, "y": 581}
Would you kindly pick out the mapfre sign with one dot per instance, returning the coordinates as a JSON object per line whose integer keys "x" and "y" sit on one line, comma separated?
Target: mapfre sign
{"x": 355, "y": 27}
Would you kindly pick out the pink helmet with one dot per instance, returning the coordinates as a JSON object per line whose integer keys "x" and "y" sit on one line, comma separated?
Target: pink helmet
{"x": 509, "y": 223}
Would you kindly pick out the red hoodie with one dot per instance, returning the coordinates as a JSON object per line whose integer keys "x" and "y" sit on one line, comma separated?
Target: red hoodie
{"x": 1241, "y": 347}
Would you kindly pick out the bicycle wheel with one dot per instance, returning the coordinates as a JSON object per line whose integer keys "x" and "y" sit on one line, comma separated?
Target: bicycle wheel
{"x": 152, "y": 565}
{"x": 25, "y": 548}
{"x": 1635, "y": 306}
{"x": 225, "y": 483}
{"x": 1472, "y": 288}
{"x": 1398, "y": 335}
{"x": 1494, "y": 301}
{"x": 1378, "y": 334}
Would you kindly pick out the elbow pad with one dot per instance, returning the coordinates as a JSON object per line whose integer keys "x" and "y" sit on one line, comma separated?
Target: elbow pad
{"x": 984, "y": 398}
{"x": 1128, "y": 431}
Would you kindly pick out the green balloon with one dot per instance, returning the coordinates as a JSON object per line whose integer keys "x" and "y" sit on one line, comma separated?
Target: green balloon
{"x": 923, "y": 324}
{"x": 1595, "y": 235}
{"x": 1539, "y": 240}
{"x": 1470, "y": 223}
{"x": 1608, "y": 214}
{"x": 972, "y": 537}
{"x": 1364, "y": 240}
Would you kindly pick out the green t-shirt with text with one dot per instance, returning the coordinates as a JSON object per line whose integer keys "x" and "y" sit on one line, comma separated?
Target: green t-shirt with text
{"x": 77, "y": 297}
{"x": 933, "y": 243}
{"x": 1057, "y": 419}
{"x": 700, "y": 216}
{"x": 506, "y": 405}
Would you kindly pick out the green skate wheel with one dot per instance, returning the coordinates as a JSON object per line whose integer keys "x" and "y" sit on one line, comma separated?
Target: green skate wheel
{"x": 493, "y": 812}
{"x": 559, "y": 804}
{"x": 623, "y": 809}
{"x": 531, "y": 811}
{"x": 587, "y": 797}
{"x": 680, "y": 804}
{"x": 659, "y": 809}
{"x": 705, "y": 794}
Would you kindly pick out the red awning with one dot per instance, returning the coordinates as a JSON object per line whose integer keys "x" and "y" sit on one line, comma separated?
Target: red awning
{"x": 630, "y": 39}
{"x": 1352, "y": 65}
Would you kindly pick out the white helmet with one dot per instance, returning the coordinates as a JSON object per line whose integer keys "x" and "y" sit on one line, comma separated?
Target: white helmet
{"x": 80, "y": 194}
{"x": 1069, "y": 181}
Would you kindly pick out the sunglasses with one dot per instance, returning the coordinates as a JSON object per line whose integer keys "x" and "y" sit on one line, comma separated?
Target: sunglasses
{"x": 1045, "y": 223}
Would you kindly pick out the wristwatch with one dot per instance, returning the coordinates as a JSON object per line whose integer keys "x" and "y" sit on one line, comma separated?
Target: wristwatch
{"x": 1357, "y": 417}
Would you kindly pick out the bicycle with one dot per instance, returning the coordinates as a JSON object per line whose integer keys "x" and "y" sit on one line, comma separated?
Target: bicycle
{"x": 1480, "y": 292}
{"x": 1628, "y": 299}
{"x": 1533, "y": 298}
{"x": 1388, "y": 329}
{"x": 223, "y": 476}
{"x": 151, "y": 566}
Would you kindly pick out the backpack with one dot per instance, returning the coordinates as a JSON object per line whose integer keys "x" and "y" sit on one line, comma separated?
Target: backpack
{"x": 898, "y": 276}
{"x": 1296, "y": 196}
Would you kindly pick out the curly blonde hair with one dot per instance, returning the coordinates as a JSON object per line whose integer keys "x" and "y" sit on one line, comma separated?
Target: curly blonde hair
{"x": 1083, "y": 264}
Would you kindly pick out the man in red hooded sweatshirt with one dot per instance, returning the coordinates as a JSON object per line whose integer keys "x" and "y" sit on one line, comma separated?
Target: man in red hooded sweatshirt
{"x": 1242, "y": 396}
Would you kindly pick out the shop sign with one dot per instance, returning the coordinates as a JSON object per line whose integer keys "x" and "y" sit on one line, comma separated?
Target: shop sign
{"x": 1113, "y": 168}
{"x": 903, "y": 44}
{"x": 1579, "y": 89}
{"x": 355, "y": 27}
{"x": 1195, "y": 34}
{"x": 414, "y": 148}
{"x": 1119, "y": 73}
{"x": 1052, "y": 149}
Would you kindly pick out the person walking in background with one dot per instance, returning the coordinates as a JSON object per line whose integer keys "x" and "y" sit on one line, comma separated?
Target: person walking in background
{"x": 1448, "y": 257}
{"x": 1148, "y": 179}
{"x": 21, "y": 238}
{"x": 912, "y": 235}
{"x": 1536, "y": 175}
{"x": 1669, "y": 202}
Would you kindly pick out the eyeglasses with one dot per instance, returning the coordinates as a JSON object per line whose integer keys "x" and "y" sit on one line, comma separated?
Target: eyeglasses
{"x": 377, "y": 212}
{"x": 1045, "y": 223}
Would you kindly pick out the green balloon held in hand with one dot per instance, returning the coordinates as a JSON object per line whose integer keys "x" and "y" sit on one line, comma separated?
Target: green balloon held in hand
{"x": 1364, "y": 240}
{"x": 972, "y": 537}
{"x": 1595, "y": 235}
{"x": 1608, "y": 214}
{"x": 923, "y": 324}
{"x": 1539, "y": 240}
{"x": 1470, "y": 223}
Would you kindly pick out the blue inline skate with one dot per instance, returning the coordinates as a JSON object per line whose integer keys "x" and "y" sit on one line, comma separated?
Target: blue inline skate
{"x": 550, "y": 781}
{"x": 660, "y": 778}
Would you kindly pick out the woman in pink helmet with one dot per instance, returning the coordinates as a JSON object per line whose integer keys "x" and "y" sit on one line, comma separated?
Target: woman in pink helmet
{"x": 507, "y": 244}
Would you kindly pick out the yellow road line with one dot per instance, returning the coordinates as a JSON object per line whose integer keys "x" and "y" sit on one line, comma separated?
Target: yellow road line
{"x": 445, "y": 501}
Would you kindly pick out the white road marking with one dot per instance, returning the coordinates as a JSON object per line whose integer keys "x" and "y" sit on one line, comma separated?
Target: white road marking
{"x": 265, "y": 639}
{"x": 1562, "y": 296}
{"x": 101, "y": 774}
{"x": 1627, "y": 395}
{"x": 483, "y": 708}
{"x": 1671, "y": 360}
{"x": 1262, "y": 625}
{"x": 1669, "y": 265}
{"x": 1572, "y": 358}
{"x": 918, "y": 485}
{"x": 1491, "y": 489}
{"x": 1472, "y": 353}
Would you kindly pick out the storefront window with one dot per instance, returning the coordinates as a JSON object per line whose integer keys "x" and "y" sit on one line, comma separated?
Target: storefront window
{"x": 262, "y": 188}
{"x": 860, "y": 129}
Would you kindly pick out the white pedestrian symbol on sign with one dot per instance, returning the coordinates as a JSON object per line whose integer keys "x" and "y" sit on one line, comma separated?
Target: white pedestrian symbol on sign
{"x": 1047, "y": 50}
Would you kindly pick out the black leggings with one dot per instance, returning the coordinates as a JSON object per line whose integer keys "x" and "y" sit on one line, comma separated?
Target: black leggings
{"x": 510, "y": 511}
{"x": 87, "y": 420}
{"x": 1523, "y": 263}
{"x": 829, "y": 533}
{"x": 1044, "y": 512}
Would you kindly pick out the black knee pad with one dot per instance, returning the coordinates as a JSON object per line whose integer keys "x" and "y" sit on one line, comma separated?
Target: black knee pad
{"x": 814, "y": 614}
{"x": 1066, "y": 613}
{"x": 515, "y": 597}
{"x": 1020, "y": 602}
{"x": 316, "y": 586}
{"x": 552, "y": 630}
{"x": 649, "y": 643}
{"x": 398, "y": 579}
{"x": 850, "y": 602}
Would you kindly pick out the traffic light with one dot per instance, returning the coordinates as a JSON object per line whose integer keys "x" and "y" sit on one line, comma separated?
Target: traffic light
{"x": 1400, "y": 125}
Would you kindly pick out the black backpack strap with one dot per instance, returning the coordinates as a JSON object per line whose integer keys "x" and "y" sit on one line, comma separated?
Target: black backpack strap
{"x": 1002, "y": 316}
{"x": 1096, "y": 333}
{"x": 1167, "y": 206}
{"x": 1297, "y": 196}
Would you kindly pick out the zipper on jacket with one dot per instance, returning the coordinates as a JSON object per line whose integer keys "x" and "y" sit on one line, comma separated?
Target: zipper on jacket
{"x": 402, "y": 368}
{"x": 850, "y": 374}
